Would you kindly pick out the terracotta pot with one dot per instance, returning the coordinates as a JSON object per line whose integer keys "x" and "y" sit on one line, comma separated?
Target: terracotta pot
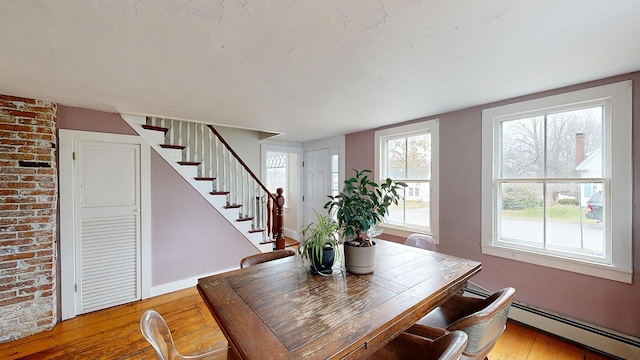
{"x": 360, "y": 260}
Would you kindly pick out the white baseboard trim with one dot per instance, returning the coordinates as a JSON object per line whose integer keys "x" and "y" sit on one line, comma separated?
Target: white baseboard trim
{"x": 182, "y": 284}
{"x": 598, "y": 338}
{"x": 291, "y": 234}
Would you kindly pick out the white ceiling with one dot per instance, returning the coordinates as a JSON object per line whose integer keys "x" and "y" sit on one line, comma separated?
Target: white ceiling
{"x": 309, "y": 69}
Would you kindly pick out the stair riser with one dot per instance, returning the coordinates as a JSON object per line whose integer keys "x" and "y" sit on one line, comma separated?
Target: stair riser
{"x": 187, "y": 171}
{"x": 218, "y": 201}
{"x": 203, "y": 187}
{"x": 171, "y": 155}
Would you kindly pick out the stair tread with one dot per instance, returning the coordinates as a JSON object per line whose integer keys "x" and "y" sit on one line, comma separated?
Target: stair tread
{"x": 219, "y": 193}
{"x": 155, "y": 128}
{"x": 168, "y": 146}
{"x": 256, "y": 231}
{"x": 204, "y": 178}
{"x": 232, "y": 206}
{"x": 189, "y": 163}
{"x": 245, "y": 219}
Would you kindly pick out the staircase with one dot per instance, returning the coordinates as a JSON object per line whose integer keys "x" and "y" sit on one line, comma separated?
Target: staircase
{"x": 207, "y": 162}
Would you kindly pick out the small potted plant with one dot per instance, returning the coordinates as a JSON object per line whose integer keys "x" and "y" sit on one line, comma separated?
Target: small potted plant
{"x": 319, "y": 249}
{"x": 358, "y": 208}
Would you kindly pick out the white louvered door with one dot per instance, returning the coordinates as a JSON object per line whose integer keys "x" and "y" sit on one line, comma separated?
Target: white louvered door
{"x": 107, "y": 224}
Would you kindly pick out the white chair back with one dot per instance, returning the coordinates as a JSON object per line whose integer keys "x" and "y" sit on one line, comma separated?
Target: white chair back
{"x": 421, "y": 241}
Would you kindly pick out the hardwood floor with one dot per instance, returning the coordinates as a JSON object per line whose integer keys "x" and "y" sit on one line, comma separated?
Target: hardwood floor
{"x": 115, "y": 334}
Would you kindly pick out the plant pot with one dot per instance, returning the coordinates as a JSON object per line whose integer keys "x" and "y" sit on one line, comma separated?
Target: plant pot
{"x": 360, "y": 260}
{"x": 328, "y": 255}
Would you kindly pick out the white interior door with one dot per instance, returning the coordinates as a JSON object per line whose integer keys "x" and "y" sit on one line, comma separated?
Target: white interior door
{"x": 317, "y": 175}
{"x": 101, "y": 225}
{"x": 107, "y": 224}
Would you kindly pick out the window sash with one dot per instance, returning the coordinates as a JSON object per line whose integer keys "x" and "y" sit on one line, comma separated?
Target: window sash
{"x": 543, "y": 114}
{"x": 406, "y": 226}
{"x": 617, "y": 176}
{"x": 547, "y": 224}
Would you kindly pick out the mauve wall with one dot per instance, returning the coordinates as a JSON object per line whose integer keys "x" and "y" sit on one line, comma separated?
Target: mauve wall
{"x": 188, "y": 237}
{"x": 606, "y": 303}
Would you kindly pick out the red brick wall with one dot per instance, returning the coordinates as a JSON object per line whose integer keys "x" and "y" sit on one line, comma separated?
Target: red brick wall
{"x": 28, "y": 198}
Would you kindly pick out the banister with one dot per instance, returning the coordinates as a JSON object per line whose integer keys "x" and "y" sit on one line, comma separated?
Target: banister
{"x": 235, "y": 155}
{"x": 278, "y": 210}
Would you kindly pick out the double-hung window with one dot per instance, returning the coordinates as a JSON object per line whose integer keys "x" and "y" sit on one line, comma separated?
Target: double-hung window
{"x": 409, "y": 154}
{"x": 557, "y": 181}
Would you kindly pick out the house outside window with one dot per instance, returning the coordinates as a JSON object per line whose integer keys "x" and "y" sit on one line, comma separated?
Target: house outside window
{"x": 410, "y": 154}
{"x": 556, "y": 187}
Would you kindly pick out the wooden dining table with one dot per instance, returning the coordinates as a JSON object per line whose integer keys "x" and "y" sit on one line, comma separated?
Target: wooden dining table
{"x": 279, "y": 310}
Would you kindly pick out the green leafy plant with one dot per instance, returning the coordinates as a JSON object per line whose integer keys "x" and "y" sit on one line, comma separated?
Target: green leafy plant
{"x": 362, "y": 204}
{"x": 318, "y": 237}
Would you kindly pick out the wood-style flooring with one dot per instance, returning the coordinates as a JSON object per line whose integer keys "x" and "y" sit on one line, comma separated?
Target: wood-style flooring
{"x": 115, "y": 334}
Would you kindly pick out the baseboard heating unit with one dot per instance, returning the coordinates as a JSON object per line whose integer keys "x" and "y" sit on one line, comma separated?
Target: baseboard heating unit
{"x": 600, "y": 339}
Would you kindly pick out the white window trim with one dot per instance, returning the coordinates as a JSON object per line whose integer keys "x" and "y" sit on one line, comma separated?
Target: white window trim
{"x": 434, "y": 196}
{"x": 621, "y": 175}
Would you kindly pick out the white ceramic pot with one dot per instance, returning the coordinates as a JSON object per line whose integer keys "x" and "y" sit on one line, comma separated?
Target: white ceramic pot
{"x": 360, "y": 260}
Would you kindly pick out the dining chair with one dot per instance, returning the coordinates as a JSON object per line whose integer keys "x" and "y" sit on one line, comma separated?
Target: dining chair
{"x": 422, "y": 241}
{"x": 425, "y": 343}
{"x": 484, "y": 320}
{"x": 157, "y": 333}
{"x": 264, "y": 257}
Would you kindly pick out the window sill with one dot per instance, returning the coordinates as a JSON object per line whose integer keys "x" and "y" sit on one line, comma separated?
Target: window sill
{"x": 581, "y": 267}
{"x": 402, "y": 231}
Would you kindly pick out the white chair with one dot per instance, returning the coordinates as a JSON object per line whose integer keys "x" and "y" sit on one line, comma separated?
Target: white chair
{"x": 157, "y": 333}
{"x": 421, "y": 241}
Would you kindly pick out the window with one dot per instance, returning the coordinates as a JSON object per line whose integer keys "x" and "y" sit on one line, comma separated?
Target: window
{"x": 335, "y": 174}
{"x": 410, "y": 154}
{"x": 277, "y": 174}
{"x": 556, "y": 187}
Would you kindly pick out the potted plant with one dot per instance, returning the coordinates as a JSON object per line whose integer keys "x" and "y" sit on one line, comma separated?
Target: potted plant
{"x": 358, "y": 208}
{"x": 319, "y": 249}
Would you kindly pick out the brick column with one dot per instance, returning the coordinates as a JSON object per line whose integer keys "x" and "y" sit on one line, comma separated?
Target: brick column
{"x": 28, "y": 198}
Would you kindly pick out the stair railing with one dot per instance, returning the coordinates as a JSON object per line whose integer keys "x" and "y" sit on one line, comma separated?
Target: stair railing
{"x": 220, "y": 164}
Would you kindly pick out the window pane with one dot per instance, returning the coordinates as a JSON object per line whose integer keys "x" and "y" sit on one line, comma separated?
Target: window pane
{"x": 574, "y": 222}
{"x": 413, "y": 211}
{"x": 396, "y": 158}
{"x": 396, "y": 212}
{"x": 276, "y": 171}
{"x": 522, "y": 214}
{"x": 417, "y": 205}
{"x": 522, "y": 148}
{"x": 334, "y": 175}
{"x": 419, "y": 157}
{"x": 574, "y": 143}
{"x": 276, "y": 178}
{"x": 334, "y": 163}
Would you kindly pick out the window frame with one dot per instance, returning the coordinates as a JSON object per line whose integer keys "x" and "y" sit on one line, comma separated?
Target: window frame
{"x": 379, "y": 172}
{"x": 618, "y": 175}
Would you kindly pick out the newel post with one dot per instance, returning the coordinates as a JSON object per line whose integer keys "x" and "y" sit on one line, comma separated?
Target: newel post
{"x": 278, "y": 222}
